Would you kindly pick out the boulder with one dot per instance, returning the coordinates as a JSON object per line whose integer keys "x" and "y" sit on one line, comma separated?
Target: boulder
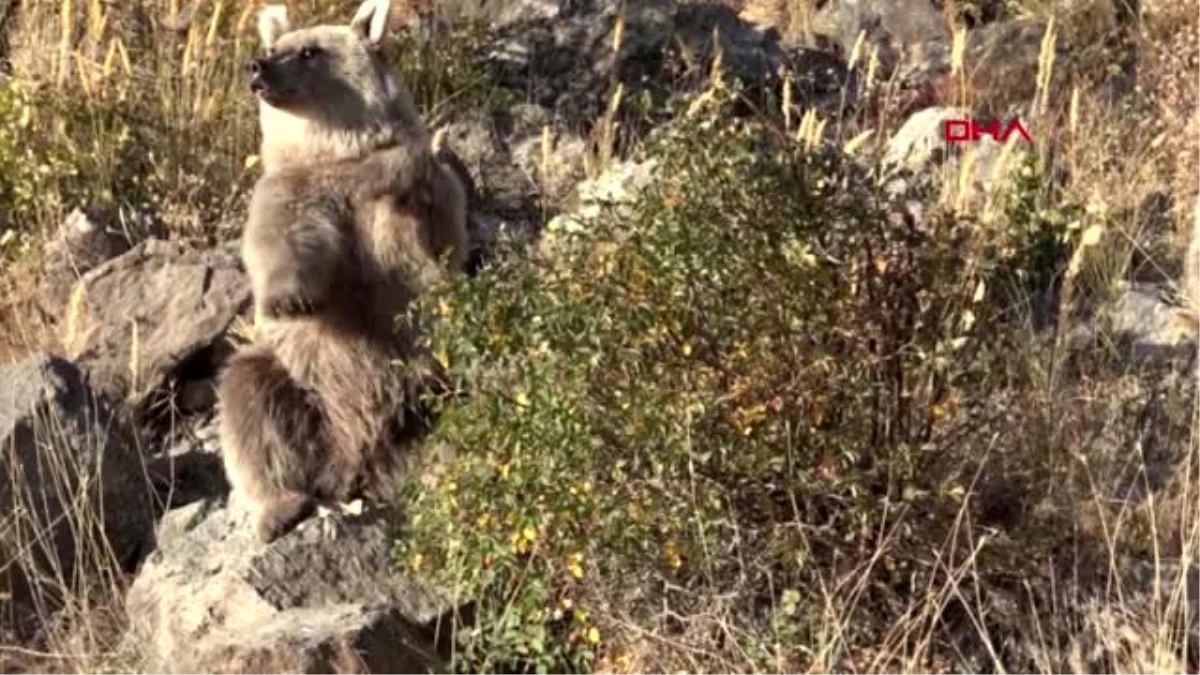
{"x": 1143, "y": 325}
{"x": 324, "y": 598}
{"x": 483, "y": 142}
{"x": 571, "y": 64}
{"x": 616, "y": 187}
{"x": 920, "y": 141}
{"x": 1002, "y": 60}
{"x": 152, "y": 319}
{"x": 69, "y": 476}
{"x": 568, "y": 65}
{"x": 86, "y": 239}
{"x": 513, "y": 184}
{"x": 895, "y": 28}
{"x": 919, "y": 147}
{"x": 349, "y": 638}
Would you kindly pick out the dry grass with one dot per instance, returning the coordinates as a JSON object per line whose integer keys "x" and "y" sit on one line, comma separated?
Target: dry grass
{"x": 171, "y": 82}
{"x": 63, "y": 609}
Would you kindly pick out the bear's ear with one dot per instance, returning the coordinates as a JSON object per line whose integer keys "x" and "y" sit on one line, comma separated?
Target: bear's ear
{"x": 272, "y": 23}
{"x": 371, "y": 19}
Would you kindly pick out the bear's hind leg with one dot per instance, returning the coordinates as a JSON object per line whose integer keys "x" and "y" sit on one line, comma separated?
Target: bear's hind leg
{"x": 274, "y": 440}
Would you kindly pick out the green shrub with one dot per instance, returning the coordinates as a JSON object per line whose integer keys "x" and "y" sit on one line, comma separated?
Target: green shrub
{"x": 734, "y": 388}
{"x": 57, "y": 151}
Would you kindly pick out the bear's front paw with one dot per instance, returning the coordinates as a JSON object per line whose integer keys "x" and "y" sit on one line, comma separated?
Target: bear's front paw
{"x": 288, "y": 306}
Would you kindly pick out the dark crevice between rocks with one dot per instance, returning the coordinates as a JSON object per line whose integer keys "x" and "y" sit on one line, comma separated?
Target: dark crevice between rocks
{"x": 188, "y": 392}
{"x": 181, "y": 469}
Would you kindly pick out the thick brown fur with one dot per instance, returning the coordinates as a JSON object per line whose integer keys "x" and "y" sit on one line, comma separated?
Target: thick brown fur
{"x": 352, "y": 218}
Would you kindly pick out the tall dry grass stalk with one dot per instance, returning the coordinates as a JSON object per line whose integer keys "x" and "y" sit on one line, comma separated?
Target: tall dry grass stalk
{"x": 181, "y": 93}
{"x": 604, "y": 135}
{"x": 75, "y": 601}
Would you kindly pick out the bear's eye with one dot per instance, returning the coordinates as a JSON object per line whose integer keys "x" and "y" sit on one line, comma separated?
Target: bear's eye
{"x": 309, "y": 53}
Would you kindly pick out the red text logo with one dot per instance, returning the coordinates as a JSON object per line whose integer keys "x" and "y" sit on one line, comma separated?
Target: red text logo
{"x": 960, "y": 131}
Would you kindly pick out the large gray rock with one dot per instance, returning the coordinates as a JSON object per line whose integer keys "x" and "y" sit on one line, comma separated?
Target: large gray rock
{"x": 349, "y": 638}
{"x": 897, "y": 29}
{"x": 564, "y": 61}
{"x": 920, "y": 142}
{"x": 919, "y": 147}
{"x": 610, "y": 193}
{"x": 570, "y": 64}
{"x": 1142, "y": 325}
{"x": 1002, "y": 59}
{"x": 484, "y": 141}
{"x": 214, "y": 599}
{"x": 180, "y": 299}
{"x": 71, "y": 481}
{"x": 515, "y": 183}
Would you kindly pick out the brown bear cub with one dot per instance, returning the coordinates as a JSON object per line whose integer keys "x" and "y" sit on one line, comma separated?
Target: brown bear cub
{"x": 353, "y": 216}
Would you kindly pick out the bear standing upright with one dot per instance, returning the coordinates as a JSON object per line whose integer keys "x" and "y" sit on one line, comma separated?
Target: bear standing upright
{"x": 352, "y": 218}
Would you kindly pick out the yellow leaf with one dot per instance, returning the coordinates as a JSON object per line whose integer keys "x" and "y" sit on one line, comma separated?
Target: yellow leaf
{"x": 856, "y": 142}
{"x": 979, "y": 291}
{"x": 1091, "y": 236}
{"x": 672, "y": 556}
{"x": 522, "y": 399}
{"x": 593, "y": 635}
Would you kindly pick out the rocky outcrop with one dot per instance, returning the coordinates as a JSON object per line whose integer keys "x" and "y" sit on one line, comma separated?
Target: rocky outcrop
{"x": 565, "y": 62}
{"x": 324, "y": 598}
{"x": 70, "y": 478}
{"x": 138, "y": 323}
{"x": 920, "y": 147}
{"x": 896, "y": 29}
{"x": 1142, "y": 325}
{"x": 570, "y": 61}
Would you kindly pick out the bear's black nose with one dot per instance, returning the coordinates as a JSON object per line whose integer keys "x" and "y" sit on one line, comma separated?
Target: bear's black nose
{"x": 258, "y": 73}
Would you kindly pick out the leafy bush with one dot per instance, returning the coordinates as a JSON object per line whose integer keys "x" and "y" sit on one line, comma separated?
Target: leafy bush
{"x": 729, "y": 391}
{"x": 56, "y": 152}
